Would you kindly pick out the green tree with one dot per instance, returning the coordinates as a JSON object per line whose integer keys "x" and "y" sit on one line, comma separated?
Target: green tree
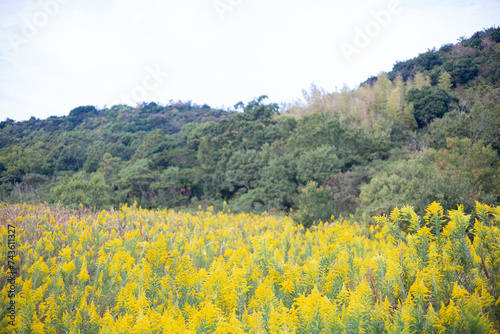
{"x": 179, "y": 157}
{"x": 256, "y": 110}
{"x": 83, "y": 111}
{"x": 174, "y": 188}
{"x": 279, "y": 183}
{"x": 429, "y": 103}
{"x": 110, "y": 166}
{"x": 420, "y": 81}
{"x": 462, "y": 70}
{"x": 474, "y": 162}
{"x": 318, "y": 165}
{"x": 94, "y": 156}
{"x": 70, "y": 157}
{"x": 394, "y": 185}
{"x": 346, "y": 187}
{"x": 427, "y": 61}
{"x": 134, "y": 182}
{"x": 316, "y": 204}
{"x": 151, "y": 141}
{"x": 318, "y": 129}
{"x": 82, "y": 189}
{"x": 445, "y": 81}
{"x": 17, "y": 162}
{"x": 243, "y": 170}
{"x": 452, "y": 125}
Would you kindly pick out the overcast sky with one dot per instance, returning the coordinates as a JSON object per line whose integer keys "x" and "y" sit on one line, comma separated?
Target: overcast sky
{"x": 56, "y": 55}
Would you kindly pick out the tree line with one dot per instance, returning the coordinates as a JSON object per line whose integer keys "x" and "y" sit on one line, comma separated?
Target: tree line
{"x": 427, "y": 131}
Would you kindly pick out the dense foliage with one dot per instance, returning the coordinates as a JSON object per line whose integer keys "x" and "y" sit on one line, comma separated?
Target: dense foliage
{"x": 427, "y": 131}
{"x": 140, "y": 271}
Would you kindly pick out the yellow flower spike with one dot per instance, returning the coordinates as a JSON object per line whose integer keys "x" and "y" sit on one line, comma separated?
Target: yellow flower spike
{"x": 65, "y": 253}
{"x": 486, "y": 299}
{"x": 419, "y": 291}
{"x": 459, "y": 293}
{"x": 83, "y": 276}
{"x": 287, "y": 286}
{"x": 100, "y": 278}
{"x": 68, "y": 267}
{"x": 60, "y": 283}
{"x": 142, "y": 323}
{"x": 3, "y": 231}
{"x": 435, "y": 209}
{"x": 37, "y": 326}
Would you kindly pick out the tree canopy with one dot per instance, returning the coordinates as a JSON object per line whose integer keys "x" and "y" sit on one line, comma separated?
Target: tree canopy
{"x": 427, "y": 130}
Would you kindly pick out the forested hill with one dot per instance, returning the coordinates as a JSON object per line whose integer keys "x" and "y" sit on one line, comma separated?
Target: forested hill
{"x": 427, "y": 131}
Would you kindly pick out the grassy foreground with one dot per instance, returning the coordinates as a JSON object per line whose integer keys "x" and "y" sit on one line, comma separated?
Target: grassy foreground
{"x": 141, "y": 271}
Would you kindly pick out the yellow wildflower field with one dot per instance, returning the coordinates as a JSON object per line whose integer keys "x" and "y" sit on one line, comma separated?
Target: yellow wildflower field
{"x": 149, "y": 271}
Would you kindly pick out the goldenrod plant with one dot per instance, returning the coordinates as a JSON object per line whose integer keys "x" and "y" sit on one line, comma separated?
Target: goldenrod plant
{"x": 134, "y": 270}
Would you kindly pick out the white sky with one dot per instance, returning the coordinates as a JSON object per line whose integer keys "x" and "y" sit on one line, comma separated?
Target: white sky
{"x": 56, "y": 55}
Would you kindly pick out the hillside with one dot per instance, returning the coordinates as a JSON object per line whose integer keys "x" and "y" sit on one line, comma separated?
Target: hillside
{"x": 429, "y": 130}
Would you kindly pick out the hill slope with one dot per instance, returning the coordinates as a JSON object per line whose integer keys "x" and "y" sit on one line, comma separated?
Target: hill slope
{"x": 428, "y": 130}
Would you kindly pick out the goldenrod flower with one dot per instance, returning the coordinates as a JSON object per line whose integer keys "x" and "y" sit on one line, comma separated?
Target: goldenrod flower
{"x": 83, "y": 275}
{"x": 69, "y": 267}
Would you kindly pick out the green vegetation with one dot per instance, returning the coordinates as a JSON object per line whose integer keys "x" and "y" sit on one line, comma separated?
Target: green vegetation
{"x": 427, "y": 131}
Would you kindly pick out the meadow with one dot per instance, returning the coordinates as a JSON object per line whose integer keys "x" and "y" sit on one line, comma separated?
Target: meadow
{"x": 133, "y": 270}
